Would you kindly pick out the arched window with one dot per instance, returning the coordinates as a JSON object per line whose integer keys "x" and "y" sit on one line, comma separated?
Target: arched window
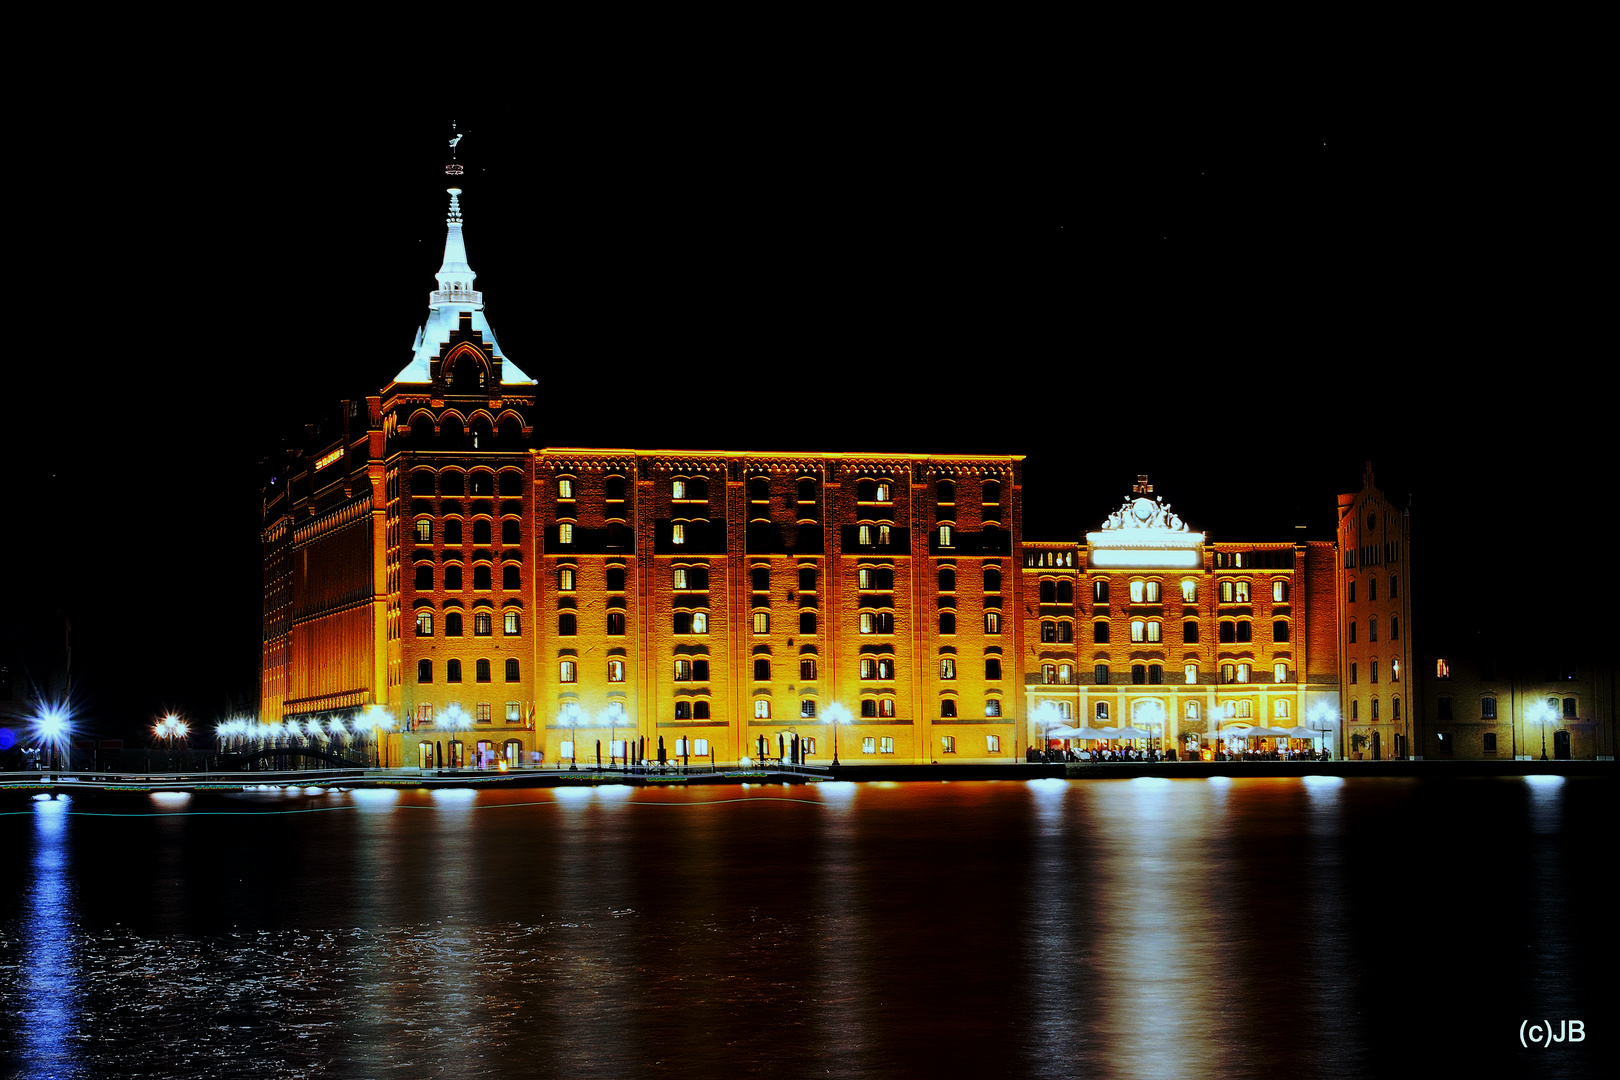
{"x": 762, "y": 670}
{"x": 483, "y": 671}
{"x": 992, "y": 622}
{"x": 947, "y": 579}
{"x": 992, "y": 579}
{"x": 424, "y": 671}
{"x": 481, "y": 531}
{"x": 452, "y": 671}
{"x": 424, "y": 577}
{"x": 452, "y": 577}
{"x": 452, "y": 624}
{"x": 947, "y": 622}
{"x": 511, "y": 577}
{"x": 567, "y": 624}
{"x": 512, "y": 671}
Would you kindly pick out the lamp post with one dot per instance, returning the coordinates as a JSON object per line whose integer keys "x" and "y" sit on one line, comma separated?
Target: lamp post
{"x": 614, "y": 717}
{"x": 1045, "y": 716}
{"x": 1324, "y": 718}
{"x": 570, "y": 717}
{"x": 455, "y": 722}
{"x": 170, "y": 728}
{"x": 1542, "y": 714}
{"x": 835, "y": 714}
{"x": 53, "y": 727}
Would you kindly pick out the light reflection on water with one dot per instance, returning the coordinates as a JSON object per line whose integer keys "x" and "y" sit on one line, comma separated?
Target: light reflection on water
{"x": 1053, "y": 928}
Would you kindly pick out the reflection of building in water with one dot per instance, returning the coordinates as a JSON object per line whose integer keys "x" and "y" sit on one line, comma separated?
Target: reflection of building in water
{"x": 1148, "y": 625}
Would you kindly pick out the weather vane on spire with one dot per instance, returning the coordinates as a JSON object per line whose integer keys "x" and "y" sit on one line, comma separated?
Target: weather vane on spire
{"x": 454, "y": 168}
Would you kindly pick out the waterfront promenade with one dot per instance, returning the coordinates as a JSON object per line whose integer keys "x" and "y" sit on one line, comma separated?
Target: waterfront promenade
{"x": 102, "y": 783}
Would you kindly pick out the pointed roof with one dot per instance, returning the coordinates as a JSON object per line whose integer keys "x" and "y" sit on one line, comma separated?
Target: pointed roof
{"x": 446, "y": 304}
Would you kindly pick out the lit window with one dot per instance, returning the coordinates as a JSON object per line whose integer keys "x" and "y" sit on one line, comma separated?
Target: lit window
{"x": 992, "y": 622}
{"x": 424, "y": 624}
{"x": 1048, "y": 674}
{"x": 683, "y": 671}
{"x": 865, "y": 535}
{"x": 807, "y": 708}
{"x": 1048, "y": 630}
{"x": 807, "y": 668}
{"x": 869, "y": 745}
{"x": 481, "y": 712}
{"x": 615, "y": 671}
{"x": 1138, "y": 630}
{"x": 514, "y": 712}
{"x": 947, "y": 667}
{"x": 565, "y": 488}
{"x": 700, "y": 622}
{"x": 677, "y": 533}
{"x": 1065, "y": 674}
{"x": 700, "y": 746}
{"x": 887, "y": 744}
{"x": 1279, "y": 673}
{"x": 1192, "y": 710}
{"x": 1245, "y": 709}
{"x": 1102, "y": 710}
{"x": 1190, "y": 673}
{"x": 886, "y": 706}
{"x": 947, "y": 744}
{"x": 1442, "y": 670}
{"x": 1189, "y": 590}
{"x": 1279, "y": 592}
{"x": 762, "y": 709}
{"x": 565, "y": 579}
{"x": 1099, "y": 591}
{"x": 424, "y": 531}
{"x": 992, "y": 707}
{"x": 1394, "y": 671}
{"x": 993, "y": 743}
{"x": 762, "y": 622}
{"x": 882, "y": 492}
{"x": 565, "y": 533}
{"x": 483, "y": 624}
{"x": 1242, "y": 591}
{"x": 883, "y": 536}
{"x": 1155, "y": 631}
{"x": 944, "y": 536}
{"x": 511, "y": 623}
{"x": 1243, "y": 673}
{"x": 677, "y": 489}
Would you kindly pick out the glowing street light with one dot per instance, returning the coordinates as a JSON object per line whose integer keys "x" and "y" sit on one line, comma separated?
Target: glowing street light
{"x": 1045, "y": 717}
{"x": 1323, "y": 718}
{"x": 53, "y": 727}
{"x": 835, "y": 714}
{"x": 455, "y": 721}
{"x": 613, "y": 717}
{"x": 570, "y": 717}
{"x": 1543, "y": 714}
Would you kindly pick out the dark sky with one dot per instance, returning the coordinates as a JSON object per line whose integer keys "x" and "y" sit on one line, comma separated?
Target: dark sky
{"x": 1246, "y": 305}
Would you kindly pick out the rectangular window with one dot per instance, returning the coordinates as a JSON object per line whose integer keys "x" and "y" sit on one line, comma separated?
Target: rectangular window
{"x": 514, "y": 712}
{"x": 615, "y": 671}
{"x": 1155, "y": 631}
{"x": 424, "y": 714}
{"x": 1279, "y": 673}
{"x": 483, "y": 712}
{"x": 565, "y": 579}
{"x": 869, "y": 745}
{"x": 762, "y": 622}
{"x": 565, "y": 488}
{"x": 482, "y": 624}
{"x": 1489, "y": 742}
{"x": 700, "y": 747}
{"x": 1242, "y": 592}
{"x": 424, "y": 624}
{"x": 566, "y": 671}
{"x": 565, "y": 533}
{"x": 807, "y": 708}
{"x": 700, "y": 622}
{"x": 680, "y": 577}
{"x": 1191, "y": 673}
{"x": 677, "y": 533}
{"x": 947, "y": 708}
{"x": 888, "y": 744}
{"x": 992, "y": 743}
{"x": 1487, "y": 708}
{"x": 511, "y": 623}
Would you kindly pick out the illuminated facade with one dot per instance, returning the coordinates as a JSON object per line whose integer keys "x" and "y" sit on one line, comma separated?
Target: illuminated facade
{"x": 424, "y": 556}
{"x": 499, "y": 599}
{"x": 1149, "y": 626}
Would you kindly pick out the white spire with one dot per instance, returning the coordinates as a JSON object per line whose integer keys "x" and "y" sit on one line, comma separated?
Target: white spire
{"x": 455, "y": 276}
{"x": 454, "y": 296}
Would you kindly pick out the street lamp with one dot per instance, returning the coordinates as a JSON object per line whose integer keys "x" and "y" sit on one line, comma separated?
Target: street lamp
{"x": 1542, "y": 714}
{"x": 1324, "y": 718}
{"x": 835, "y": 714}
{"x": 1046, "y": 716}
{"x": 570, "y": 717}
{"x": 52, "y": 726}
{"x": 455, "y": 722}
{"x": 171, "y": 727}
{"x": 614, "y": 716}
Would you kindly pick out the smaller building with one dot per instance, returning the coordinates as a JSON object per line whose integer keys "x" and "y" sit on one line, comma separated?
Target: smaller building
{"x": 1535, "y": 705}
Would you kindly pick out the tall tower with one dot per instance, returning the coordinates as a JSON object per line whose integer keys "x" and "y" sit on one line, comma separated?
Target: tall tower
{"x": 1376, "y": 678}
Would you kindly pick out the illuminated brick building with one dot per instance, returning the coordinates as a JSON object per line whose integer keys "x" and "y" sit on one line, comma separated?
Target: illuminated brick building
{"x": 1148, "y": 625}
{"x": 506, "y": 599}
{"x": 1375, "y": 624}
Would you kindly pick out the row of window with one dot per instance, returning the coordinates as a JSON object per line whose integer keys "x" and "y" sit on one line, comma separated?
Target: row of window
{"x": 1372, "y": 629}
{"x": 1192, "y": 711}
{"x": 1372, "y": 671}
{"x": 482, "y": 713}
{"x": 482, "y": 531}
{"x": 452, "y": 671}
{"x": 1152, "y": 674}
{"x": 483, "y": 624}
{"x": 1229, "y": 631}
{"x": 478, "y": 484}
{"x": 482, "y": 577}
{"x": 1372, "y": 589}
{"x": 1558, "y": 708}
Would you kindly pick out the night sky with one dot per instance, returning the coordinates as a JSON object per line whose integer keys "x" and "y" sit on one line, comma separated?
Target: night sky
{"x": 1245, "y": 305}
